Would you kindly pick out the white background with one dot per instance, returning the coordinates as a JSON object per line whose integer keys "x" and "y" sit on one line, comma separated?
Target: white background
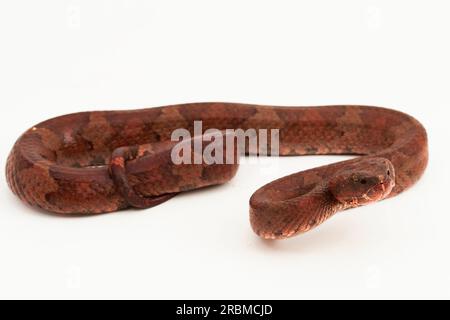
{"x": 60, "y": 56}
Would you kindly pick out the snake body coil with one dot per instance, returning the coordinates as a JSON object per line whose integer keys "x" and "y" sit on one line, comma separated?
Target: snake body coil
{"x": 97, "y": 162}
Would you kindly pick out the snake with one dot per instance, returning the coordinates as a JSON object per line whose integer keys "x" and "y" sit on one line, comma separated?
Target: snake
{"x": 103, "y": 161}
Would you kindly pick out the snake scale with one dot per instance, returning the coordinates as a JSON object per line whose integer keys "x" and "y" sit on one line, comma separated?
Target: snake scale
{"x": 104, "y": 161}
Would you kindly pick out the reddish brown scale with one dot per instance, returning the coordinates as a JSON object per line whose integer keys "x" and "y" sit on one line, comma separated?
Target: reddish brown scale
{"x": 96, "y": 162}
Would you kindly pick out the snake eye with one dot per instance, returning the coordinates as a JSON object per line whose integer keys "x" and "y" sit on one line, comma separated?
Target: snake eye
{"x": 357, "y": 179}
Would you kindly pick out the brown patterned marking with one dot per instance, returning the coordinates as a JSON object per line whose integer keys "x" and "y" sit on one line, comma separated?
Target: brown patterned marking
{"x": 39, "y": 184}
{"x": 133, "y": 129}
{"x": 48, "y": 138}
{"x": 62, "y": 165}
{"x": 351, "y": 116}
{"x": 98, "y": 131}
{"x": 265, "y": 116}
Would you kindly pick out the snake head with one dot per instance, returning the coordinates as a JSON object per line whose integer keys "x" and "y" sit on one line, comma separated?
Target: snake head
{"x": 363, "y": 182}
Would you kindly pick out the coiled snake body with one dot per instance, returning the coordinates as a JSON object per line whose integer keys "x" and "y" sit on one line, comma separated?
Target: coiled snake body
{"x": 97, "y": 162}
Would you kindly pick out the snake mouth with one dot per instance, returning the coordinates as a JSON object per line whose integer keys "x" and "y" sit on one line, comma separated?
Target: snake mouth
{"x": 374, "y": 194}
{"x": 379, "y": 191}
